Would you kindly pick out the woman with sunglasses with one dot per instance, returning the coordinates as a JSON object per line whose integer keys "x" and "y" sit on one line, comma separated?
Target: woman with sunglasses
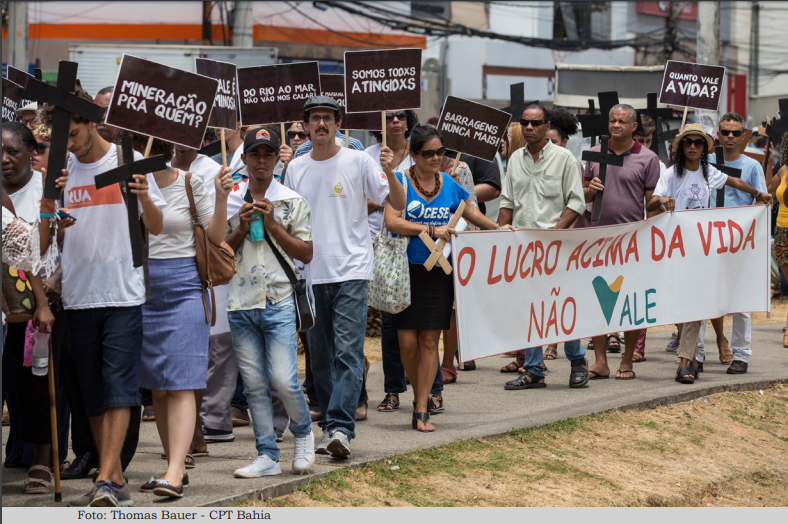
{"x": 687, "y": 184}
{"x": 432, "y": 199}
{"x": 40, "y": 157}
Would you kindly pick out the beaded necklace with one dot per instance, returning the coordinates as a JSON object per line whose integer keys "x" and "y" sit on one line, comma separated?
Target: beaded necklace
{"x": 432, "y": 193}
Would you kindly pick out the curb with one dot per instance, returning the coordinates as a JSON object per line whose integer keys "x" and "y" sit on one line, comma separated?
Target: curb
{"x": 289, "y": 486}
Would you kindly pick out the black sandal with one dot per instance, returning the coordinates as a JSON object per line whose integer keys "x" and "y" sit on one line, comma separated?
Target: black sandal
{"x": 390, "y": 403}
{"x": 579, "y": 375}
{"x": 423, "y": 418}
{"x": 687, "y": 375}
{"x": 613, "y": 344}
{"x": 526, "y": 380}
{"x": 433, "y": 407}
{"x": 189, "y": 462}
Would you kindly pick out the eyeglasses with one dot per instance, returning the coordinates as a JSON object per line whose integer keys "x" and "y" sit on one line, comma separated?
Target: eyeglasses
{"x": 698, "y": 142}
{"x": 401, "y": 115}
{"x": 315, "y": 119}
{"x": 535, "y": 123}
{"x": 429, "y": 153}
{"x": 728, "y": 132}
{"x": 292, "y": 134}
{"x": 41, "y": 147}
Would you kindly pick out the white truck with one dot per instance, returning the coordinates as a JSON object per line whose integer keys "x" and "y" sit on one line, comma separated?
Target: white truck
{"x": 99, "y": 63}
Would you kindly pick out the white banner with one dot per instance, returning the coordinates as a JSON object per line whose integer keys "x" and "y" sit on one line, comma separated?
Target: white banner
{"x": 533, "y": 287}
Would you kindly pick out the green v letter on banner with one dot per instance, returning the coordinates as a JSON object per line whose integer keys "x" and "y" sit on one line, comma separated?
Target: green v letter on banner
{"x": 607, "y": 295}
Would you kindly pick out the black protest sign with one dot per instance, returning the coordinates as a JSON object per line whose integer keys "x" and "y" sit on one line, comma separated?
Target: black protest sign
{"x": 276, "y": 93}
{"x": 603, "y": 158}
{"x": 692, "y": 85}
{"x": 161, "y": 101}
{"x": 334, "y": 86}
{"x": 472, "y": 128}
{"x": 382, "y": 80}
{"x": 224, "y": 113}
{"x": 20, "y": 78}
{"x": 12, "y": 100}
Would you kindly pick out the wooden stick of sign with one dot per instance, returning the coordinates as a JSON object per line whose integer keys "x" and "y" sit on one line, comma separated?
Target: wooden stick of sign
{"x": 224, "y": 148}
{"x": 148, "y": 147}
{"x": 684, "y": 118}
{"x": 383, "y": 126}
{"x": 347, "y": 138}
{"x": 456, "y": 162}
{"x": 281, "y": 133}
{"x": 425, "y": 237}
{"x": 53, "y": 421}
{"x": 438, "y": 252}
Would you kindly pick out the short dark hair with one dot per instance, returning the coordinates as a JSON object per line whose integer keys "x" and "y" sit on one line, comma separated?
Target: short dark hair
{"x": 140, "y": 142}
{"x": 210, "y": 135}
{"x": 421, "y": 134}
{"x": 545, "y": 112}
{"x": 563, "y": 121}
{"x": 412, "y": 121}
{"x": 106, "y": 91}
{"x": 732, "y": 117}
{"x": 20, "y": 130}
{"x": 47, "y": 111}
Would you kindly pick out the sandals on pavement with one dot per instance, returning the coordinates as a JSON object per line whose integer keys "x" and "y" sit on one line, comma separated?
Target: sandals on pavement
{"x": 638, "y": 357}
{"x": 36, "y": 486}
{"x": 526, "y": 380}
{"x": 579, "y": 375}
{"x": 551, "y": 353}
{"x": 726, "y": 357}
{"x": 620, "y": 374}
{"x": 361, "y": 412}
{"x": 687, "y": 374}
{"x": 593, "y": 375}
{"x": 452, "y": 372}
{"x": 389, "y": 404}
{"x": 435, "y": 405}
{"x": 512, "y": 366}
{"x": 613, "y": 344}
{"x": 148, "y": 415}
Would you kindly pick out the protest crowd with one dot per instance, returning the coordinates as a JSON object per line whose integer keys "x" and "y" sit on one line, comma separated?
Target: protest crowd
{"x": 137, "y": 343}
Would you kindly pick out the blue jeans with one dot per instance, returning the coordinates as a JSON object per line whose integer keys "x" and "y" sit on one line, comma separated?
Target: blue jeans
{"x": 239, "y": 399}
{"x": 265, "y": 349}
{"x": 393, "y": 370}
{"x": 573, "y": 350}
{"x": 336, "y": 351}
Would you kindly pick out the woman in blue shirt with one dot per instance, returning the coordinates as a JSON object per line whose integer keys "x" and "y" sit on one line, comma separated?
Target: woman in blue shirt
{"x": 433, "y": 197}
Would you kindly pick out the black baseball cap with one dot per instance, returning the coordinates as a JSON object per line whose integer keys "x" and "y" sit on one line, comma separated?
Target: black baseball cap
{"x": 261, "y": 136}
{"x": 321, "y": 102}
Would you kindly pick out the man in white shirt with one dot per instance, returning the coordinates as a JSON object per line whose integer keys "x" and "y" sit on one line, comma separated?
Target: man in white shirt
{"x": 102, "y": 294}
{"x": 337, "y": 182}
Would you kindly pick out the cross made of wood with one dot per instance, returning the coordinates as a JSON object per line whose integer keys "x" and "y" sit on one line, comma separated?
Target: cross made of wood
{"x": 668, "y": 135}
{"x": 655, "y": 113}
{"x": 517, "y": 102}
{"x": 594, "y": 125}
{"x": 603, "y": 158}
{"x": 730, "y": 171}
{"x": 122, "y": 175}
{"x": 66, "y": 104}
{"x": 436, "y": 251}
{"x": 778, "y": 126}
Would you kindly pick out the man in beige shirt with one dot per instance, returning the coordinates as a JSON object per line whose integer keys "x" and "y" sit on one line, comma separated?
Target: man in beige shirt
{"x": 543, "y": 190}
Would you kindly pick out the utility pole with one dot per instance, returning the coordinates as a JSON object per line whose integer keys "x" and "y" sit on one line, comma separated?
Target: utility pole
{"x": 242, "y": 25}
{"x": 207, "y": 29}
{"x": 755, "y": 36}
{"x": 17, "y": 35}
{"x": 708, "y": 52}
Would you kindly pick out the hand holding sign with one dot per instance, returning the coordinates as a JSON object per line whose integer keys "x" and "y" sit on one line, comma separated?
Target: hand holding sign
{"x": 691, "y": 85}
{"x": 472, "y": 128}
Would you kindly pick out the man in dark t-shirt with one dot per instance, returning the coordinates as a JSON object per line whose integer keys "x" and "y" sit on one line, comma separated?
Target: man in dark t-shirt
{"x": 486, "y": 178}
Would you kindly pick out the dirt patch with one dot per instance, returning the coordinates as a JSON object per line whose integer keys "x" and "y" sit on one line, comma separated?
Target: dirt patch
{"x": 722, "y": 450}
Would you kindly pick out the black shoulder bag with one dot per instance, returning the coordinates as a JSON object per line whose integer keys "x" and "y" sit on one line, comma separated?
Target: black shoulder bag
{"x": 305, "y": 316}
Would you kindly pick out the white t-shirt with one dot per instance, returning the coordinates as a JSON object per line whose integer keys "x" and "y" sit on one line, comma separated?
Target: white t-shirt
{"x": 691, "y": 191}
{"x": 337, "y": 191}
{"x": 376, "y": 217}
{"x": 27, "y": 200}
{"x": 97, "y": 262}
{"x": 176, "y": 239}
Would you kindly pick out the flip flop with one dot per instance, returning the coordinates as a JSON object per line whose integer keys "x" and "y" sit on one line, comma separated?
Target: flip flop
{"x": 633, "y": 377}
{"x": 148, "y": 415}
{"x": 636, "y": 354}
{"x": 593, "y": 375}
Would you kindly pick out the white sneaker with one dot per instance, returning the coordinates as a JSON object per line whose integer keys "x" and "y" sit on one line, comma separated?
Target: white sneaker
{"x": 338, "y": 445}
{"x": 322, "y": 447}
{"x": 262, "y": 466}
{"x": 304, "y": 454}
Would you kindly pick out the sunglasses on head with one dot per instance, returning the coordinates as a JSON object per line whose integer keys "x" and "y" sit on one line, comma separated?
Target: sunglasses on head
{"x": 728, "y": 132}
{"x": 401, "y": 115}
{"x": 535, "y": 123}
{"x": 299, "y": 134}
{"x": 698, "y": 142}
{"x": 429, "y": 153}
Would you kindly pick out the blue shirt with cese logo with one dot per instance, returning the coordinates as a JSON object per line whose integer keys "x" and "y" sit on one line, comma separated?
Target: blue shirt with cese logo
{"x": 437, "y": 212}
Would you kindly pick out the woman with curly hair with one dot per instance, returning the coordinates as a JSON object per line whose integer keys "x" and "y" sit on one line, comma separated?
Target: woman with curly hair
{"x": 687, "y": 184}
{"x": 777, "y": 186}
{"x": 563, "y": 124}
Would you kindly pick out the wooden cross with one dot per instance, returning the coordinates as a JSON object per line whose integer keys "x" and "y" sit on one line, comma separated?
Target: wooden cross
{"x": 425, "y": 237}
{"x": 66, "y": 104}
{"x": 603, "y": 158}
{"x": 594, "y": 125}
{"x": 122, "y": 175}
{"x": 437, "y": 252}
{"x": 656, "y": 113}
{"x": 743, "y": 147}
{"x": 517, "y": 103}
{"x": 778, "y": 126}
{"x": 730, "y": 171}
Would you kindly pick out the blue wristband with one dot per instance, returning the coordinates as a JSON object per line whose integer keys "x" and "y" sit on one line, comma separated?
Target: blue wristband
{"x": 50, "y": 215}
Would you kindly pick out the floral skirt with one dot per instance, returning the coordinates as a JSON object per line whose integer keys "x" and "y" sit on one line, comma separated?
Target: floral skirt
{"x": 781, "y": 245}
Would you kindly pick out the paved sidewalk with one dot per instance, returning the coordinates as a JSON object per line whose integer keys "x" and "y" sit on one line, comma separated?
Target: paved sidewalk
{"x": 476, "y": 406}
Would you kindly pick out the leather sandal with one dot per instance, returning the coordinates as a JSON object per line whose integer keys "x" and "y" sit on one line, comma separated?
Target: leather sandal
{"x": 551, "y": 353}
{"x": 423, "y": 418}
{"x": 687, "y": 374}
{"x": 579, "y": 375}
{"x": 389, "y": 404}
{"x": 452, "y": 372}
{"x": 726, "y": 357}
{"x": 36, "y": 486}
{"x": 513, "y": 366}
{"x": 613, "y": 343}
{"x": 435, "y": 405}
{"x": 526, "y": 380}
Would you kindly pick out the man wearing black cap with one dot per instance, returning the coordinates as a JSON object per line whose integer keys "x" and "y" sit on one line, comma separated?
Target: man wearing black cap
{"x": 337, "y": 182}
{"x": 261, "y": 304}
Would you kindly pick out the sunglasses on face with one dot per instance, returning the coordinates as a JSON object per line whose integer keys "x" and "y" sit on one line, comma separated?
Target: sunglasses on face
{"x": 698, "y": 142}
{"x": 429, "y": 153}
{"x": 41, "y": 147}
{"x": 534, "y": 123}
{"x": 728, "y": 132}
{"x": 300, "y": 134}
{"x": 401, "y": 115}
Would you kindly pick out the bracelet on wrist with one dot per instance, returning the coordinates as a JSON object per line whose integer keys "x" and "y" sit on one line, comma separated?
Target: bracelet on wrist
{"x": 47, "y": 215}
